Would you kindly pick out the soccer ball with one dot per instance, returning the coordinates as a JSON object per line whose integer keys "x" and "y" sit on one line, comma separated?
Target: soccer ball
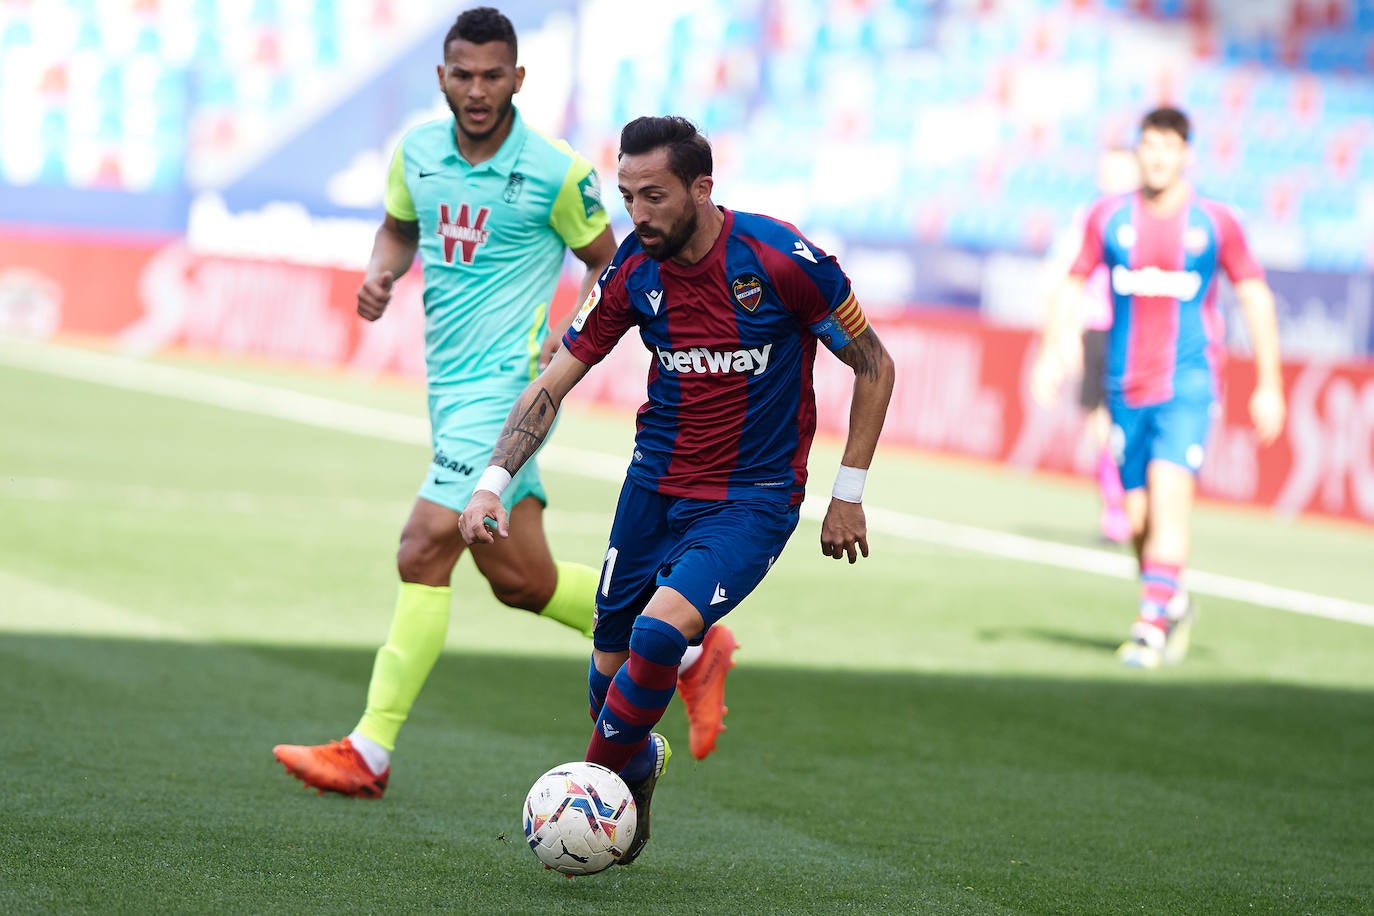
{"x": 579, "y": 818}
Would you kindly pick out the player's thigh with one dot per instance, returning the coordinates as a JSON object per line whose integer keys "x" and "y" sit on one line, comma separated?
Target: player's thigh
{"x": 1130, "y": 441}
{"x": 520, "y": 568}
{"x": 724, "y": 550}
{"x": 640, "y": 540}
{"x": 431, "y": 544}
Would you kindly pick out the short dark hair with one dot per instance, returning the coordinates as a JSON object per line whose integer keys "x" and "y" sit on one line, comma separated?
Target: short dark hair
{"x": 480, "y": 25}
{"x": 1167, "y": 118}
{"x": 689, "y": 153}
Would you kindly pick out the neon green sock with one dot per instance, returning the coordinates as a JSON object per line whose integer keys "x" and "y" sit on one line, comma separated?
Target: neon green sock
{"x": 574, "y": 597}
{"x": 412, "y": 647}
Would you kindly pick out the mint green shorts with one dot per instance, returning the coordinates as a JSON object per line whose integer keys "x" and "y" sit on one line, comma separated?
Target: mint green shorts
{"x": 465, "y": 424}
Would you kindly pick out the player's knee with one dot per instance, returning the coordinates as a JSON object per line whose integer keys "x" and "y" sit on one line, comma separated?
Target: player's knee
{"x": 422, "y": 557}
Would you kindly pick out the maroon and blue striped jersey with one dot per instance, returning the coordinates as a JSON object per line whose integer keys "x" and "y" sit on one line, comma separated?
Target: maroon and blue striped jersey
{"x": 731, "y": 410}
{"x": 1163, "y": 270}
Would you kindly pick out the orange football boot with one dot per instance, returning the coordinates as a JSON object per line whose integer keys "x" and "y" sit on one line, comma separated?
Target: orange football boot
{"x": 332, "y": 767}
{"x": 702, "y": 688}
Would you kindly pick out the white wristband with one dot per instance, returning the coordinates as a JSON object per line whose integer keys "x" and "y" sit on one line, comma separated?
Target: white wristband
{"x": 849, "y": 484}
{"x": 495, "y": 479}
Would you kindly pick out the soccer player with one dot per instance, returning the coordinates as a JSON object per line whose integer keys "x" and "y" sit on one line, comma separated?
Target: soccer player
{"x": 731, "y": 306}
{"x": 1163, "y": 246}
{"x": 491, "y": 206}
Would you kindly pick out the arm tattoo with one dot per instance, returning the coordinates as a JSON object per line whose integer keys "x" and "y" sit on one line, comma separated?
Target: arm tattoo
{"x": 529, "y": 422}
{"x": 863, "y": 354}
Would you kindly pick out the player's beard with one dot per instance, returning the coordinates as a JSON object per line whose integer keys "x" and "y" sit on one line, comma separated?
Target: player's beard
{"x": 503, "y": 112}
{"x": 673, "y": 240}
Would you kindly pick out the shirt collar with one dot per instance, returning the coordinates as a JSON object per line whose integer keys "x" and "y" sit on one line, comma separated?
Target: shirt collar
{"x": 509, "y": 153}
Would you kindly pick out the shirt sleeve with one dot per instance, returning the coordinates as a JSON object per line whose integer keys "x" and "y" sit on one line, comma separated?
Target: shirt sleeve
{"x": 398, "y": 200}
{"x": 814, "y": 288}
{"x": 578, "y": 215}
{"x": 604, "y": 318}
{"x": 1233, "y": 253}
{"x": 1090, "y": 252}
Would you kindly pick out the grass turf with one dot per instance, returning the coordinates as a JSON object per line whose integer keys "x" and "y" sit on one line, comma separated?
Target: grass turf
{"x": 932, "y": 731}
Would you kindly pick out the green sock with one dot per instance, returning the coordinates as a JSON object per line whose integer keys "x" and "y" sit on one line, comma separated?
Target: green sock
{"x": 412, "y": 647}
{"x": 574, "y": 597}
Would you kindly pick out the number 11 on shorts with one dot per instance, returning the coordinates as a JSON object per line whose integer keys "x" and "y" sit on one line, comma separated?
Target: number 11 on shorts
{"x": 607, "y": 569}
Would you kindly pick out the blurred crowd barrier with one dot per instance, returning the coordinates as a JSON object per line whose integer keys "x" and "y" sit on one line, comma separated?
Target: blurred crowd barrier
{"x": 962, "y": 383}
{"x": 208, "y": 174}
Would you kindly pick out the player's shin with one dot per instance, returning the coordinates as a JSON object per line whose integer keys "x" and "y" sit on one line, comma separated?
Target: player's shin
{"x": 417, "y": 635}
{"x": 598, "y": 685}
{"x": 638, "y": 695}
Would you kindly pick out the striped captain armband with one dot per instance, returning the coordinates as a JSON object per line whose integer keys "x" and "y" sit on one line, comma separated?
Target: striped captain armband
{"x": 842, "y": 325}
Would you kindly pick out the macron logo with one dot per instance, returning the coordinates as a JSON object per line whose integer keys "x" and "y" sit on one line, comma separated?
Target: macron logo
{"x": 715, "y": 362}
{"x": 608, "y": 730}
{"x": 719, "y": 596}
{"x": 655, "y": 299}
{"x": 801, "y": 251}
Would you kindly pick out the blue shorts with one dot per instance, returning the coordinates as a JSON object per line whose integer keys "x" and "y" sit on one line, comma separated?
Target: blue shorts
{"x": 1175, "y": 431}
{"x": 712, "y": 552}
{"x": 465, "y": 424}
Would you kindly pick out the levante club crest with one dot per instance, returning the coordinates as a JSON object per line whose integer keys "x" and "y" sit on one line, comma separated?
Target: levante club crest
{"x": 748, "y": 291}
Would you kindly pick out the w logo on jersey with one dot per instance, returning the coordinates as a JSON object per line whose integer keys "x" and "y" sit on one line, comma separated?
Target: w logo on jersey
{"x": 463, "y": 231}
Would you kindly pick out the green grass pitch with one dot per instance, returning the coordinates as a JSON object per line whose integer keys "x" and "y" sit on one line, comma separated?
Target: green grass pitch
{"x": 932, "y": 730}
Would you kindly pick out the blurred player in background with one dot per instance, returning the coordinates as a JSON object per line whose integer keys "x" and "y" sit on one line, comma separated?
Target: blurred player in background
{"x": 491, "y": 206}
{"x": 731, "y": 306}
{"x": 1117, "y": 173}
{"x": 1163, "y": 247}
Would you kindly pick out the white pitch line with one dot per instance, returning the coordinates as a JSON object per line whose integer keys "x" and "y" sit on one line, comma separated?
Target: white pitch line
{"x": 251, "y": 397}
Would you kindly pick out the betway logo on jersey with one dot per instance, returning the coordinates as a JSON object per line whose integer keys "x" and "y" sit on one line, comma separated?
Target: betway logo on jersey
{"x": 716, "y": 362}
{"x": 1151, "y": 281}
{"x": 464, "y": 231}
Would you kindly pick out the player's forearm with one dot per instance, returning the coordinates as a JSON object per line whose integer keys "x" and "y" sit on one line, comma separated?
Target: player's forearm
{"x": 1257, "y": 304}
{"x": 1063, "y": 320}
{"x": 529, "y": 421}
{"x": 874, "y": 374}
{"x": 392, "y": 251}
{"x": 527, "y": 426}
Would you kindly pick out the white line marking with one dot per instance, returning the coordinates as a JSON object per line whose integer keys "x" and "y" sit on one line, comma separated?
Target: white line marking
{"x": 250, "y": 397}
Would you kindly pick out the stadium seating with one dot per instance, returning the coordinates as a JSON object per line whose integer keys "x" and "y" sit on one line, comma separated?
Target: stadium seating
{"x": 975, "y": 123}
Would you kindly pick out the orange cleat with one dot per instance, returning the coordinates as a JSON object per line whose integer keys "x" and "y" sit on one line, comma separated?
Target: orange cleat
{"x": 332, "y": 767}
{"x": 702, "y": 688}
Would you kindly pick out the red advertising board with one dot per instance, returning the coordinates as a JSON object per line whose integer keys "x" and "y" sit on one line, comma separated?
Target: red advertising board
{"x": 962, "y": 385}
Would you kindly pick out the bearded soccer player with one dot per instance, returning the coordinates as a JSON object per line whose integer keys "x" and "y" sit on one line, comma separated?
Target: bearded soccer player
{"x": 491, "y": 206}
{"x": 731, "y": 305}
{"x": 1163, "y": 246}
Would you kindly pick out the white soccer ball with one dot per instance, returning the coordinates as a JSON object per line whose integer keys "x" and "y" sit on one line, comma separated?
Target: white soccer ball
{"x": 579, "y": 818}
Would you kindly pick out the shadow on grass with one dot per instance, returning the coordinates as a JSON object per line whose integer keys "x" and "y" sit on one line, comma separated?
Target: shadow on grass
{"x": 139, "y": 778}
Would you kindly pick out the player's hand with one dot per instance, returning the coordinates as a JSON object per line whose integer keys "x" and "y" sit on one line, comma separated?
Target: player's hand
{"x": 472, "y": 523}
{"x": 1267, "y": 412}
{"x": 551, "y": 345}
{"x": 374, "y": 295}
{"x": 844, "y": 531}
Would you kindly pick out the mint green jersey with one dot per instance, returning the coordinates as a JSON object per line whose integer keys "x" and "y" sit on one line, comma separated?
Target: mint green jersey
{"x": 492, "y": 238}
